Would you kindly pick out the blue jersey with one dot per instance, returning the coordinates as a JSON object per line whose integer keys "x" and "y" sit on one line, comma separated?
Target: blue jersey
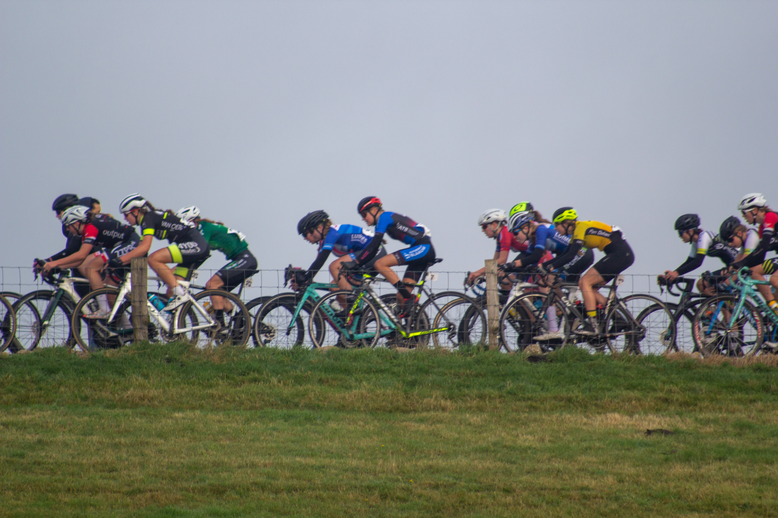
{"x": 345, "y": 239}
{"x": 547, "y": 238}
{"x": 401, "y": 228}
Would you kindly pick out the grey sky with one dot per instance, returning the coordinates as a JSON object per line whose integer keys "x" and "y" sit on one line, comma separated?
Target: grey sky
{"x": 258, "y": 112}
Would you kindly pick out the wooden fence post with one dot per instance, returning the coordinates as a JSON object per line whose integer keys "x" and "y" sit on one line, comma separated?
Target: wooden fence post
{"x": 140, "y": 311}
{"x": 492, "y": 304}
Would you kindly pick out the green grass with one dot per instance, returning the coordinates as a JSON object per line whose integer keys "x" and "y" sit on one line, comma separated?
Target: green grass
{"x": 167, "y": 431}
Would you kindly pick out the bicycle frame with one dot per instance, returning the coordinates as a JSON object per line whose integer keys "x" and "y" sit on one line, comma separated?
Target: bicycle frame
{"x": 745, "y": 287}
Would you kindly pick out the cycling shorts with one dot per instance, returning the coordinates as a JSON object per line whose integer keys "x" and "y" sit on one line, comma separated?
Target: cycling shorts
{"x": 770, "y": 266}
{"x": 188, "y": 253}
{"x": 369, "y": 265}
{"x": 572, "y": 271}
{"x": 118, "y": 274}
{"x": 618, "y": 257}
{"x": 238, "y": 270}
{"x": 418, "y": 258}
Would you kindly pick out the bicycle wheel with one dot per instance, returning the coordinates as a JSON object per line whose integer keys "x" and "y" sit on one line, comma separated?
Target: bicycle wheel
{"x": 54, "y": 319}
{"x": 276, "y": 326}
{"x": 27, "y": 324}
{"x": 526, "y": 317}
{"x": 91, "y": 333}
{"x": 465, "y": 321}
{"x": 235, "y": 329}
{"x": 656, "y": 330}
{"x": 717, "y": 330}
{"x": 254, "y": 305}
{"x": 348, "y": 328}
{"x": 7, "y": 323}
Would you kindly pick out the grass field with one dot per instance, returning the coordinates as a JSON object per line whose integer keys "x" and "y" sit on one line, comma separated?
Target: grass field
{"x": 167, "y": 431}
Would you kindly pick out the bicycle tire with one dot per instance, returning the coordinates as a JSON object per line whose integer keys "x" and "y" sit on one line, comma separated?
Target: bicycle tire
{"x": 236, "y": 329}
{"x": 57, "y": 331}
{"x": 92, "y": 334}
{"x": 525, "y": 317}
{"x": 713, "y": 335}
{"x": 466, "y": 322}
{"x": 340, "y": 329}
{"x": 274, "y": 325}
{"x": 27, "y": 324}
{"x": 658, "y": 331}
{"x": 418, "y": 321}
{"x": 254, "y": 305}
{"x": 7, "y": 323}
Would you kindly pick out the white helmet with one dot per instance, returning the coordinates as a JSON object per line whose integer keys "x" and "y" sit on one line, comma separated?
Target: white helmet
{"x": 492, "y": 215}
{"x": 749, "y": 201}
{"x": 187, "y": 214}
{"x": 73, "y": 214}
{"x": 133, "y": 201}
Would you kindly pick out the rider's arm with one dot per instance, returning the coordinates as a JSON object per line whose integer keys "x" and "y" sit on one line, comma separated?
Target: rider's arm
{"x": 141, "y": 250}
{"x": 370, "y": 250}
{"x": 72, "y": 260}
{"x": 318, "y": 263}
{"x": 566, "y": 257}
{"x": 691, "y": 264}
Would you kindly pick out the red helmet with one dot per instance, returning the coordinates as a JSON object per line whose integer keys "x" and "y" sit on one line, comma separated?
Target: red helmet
{"x": 366, "y": 203}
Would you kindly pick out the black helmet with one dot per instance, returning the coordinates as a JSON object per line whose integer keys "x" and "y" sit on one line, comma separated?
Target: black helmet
{"x": 311, "y": 220}
{"x": 687, "y": 222}
{"x": 367, "y": 202}
{"x": 64, "y": 201}
{"x": 727, "y": 228}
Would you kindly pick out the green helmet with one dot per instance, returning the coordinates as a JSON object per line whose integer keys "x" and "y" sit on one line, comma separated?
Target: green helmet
{"x": 524, "y": 206}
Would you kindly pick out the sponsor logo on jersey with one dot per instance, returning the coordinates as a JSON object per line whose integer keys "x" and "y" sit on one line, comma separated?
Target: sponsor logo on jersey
{"x": 113, "y": 233}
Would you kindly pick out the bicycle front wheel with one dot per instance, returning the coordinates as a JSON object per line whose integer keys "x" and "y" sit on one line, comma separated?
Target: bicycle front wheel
{"x": 91, "y": 328}
{"x": 53, "y": 319}
{"x": 28, "y": 324}
{"x": 7, "y": 323}
{"x": 465, "y": 322}
{"x": 528, "y": 316}
{"x": 349, "y": 328}
{"x": 720, "y": 328}
{"x": 276, "y": 326}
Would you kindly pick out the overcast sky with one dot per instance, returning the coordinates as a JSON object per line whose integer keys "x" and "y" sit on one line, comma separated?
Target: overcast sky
{"x": 259, "y": 112}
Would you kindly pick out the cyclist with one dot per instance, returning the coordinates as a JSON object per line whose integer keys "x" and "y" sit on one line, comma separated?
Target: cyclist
{"x": 345, "y": 241}
{"x": 703, "y": 243}
{"x": 740, "y": 237}
{"x": 110, "y": 238}
{"x": 591, "y": 234}
{"x": 187, "y": 246}
{"x": 418, "y": 256}
{"x": 242, "y": 263}
{"x": 755, "y": 211}
{"x": 493, "y": 224}
{"x": 543, "y": 239}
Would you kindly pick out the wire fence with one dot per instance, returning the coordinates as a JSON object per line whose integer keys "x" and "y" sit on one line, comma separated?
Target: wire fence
{"x": 20, "y": 279}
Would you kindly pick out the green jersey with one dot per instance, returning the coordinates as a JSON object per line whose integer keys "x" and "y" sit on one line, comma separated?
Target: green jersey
{"x": 229, "y": 241}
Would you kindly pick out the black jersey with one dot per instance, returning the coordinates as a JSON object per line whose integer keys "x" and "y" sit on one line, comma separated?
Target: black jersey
{"x": 103, "y": 231}
{"x": 165, "y": 225}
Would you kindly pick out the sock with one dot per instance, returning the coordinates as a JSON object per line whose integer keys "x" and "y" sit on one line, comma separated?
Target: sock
{"x": 591, "y": 314}
{"x": 124, "y": 321}
{"x": 220, "y": 316}
{"x": 102, "y": 301}
{"x": 179, "y": 291}
{"x": 553, "y": 325}
{"x": 402, "y": 290}
{"x": 773, "y": 305}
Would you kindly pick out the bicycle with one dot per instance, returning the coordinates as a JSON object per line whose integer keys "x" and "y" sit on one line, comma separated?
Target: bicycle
{"x": 683, "y": 312}
{"x": 730, "y": 324}
{"x": 618, "y": 330}
{"x": 280, "y": 322}
{"x": 46, "y": 315}
{"x": 192, "y": 321}
{"x": 370, "y": 318}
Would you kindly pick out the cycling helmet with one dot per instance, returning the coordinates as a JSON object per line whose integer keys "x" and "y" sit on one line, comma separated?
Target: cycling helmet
{"x": 367, "y": 202}
{"x": 311, "y": 220}
{"x": 188, "y": 214}
{"x": 519, "y": 219}
{"x": 749, "y": 201}
{"x": 564, "y": 214}
{"x": 74, "y": 214}
{"x": 524, "y": 206}
{"x": 727, "y": 228}
{"x": 133, "y": 201}
{"x": 492, "y": 215}
{"x": 64, "y": 201}
{"x": 687, "y": 222}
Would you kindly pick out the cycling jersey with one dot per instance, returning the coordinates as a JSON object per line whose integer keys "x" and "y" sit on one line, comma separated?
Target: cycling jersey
{"x": 750, "y": 242}
{"x": 229, "y": 241}
{"x": 396, "y": 226}
{"x": 588, "y": 234}
{"x": 768, "y": 241}
{"x": 707, "y": 244}
{"x": 341, "y": 240}
{"x": 103, "y": 231}
{"x": 507, "y": 242}
{"x": 165, "y": 225}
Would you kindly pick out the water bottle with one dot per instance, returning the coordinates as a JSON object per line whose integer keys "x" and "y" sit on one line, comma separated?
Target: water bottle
{"x": 156, "y": 301}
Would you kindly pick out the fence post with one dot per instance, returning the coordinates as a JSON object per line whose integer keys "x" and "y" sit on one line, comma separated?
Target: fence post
{"x": 492, "y": 304}
{"x": 140, "y": 311}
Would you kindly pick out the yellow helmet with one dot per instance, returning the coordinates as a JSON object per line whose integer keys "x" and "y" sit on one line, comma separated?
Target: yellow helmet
{"x": 564, "y": 214}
